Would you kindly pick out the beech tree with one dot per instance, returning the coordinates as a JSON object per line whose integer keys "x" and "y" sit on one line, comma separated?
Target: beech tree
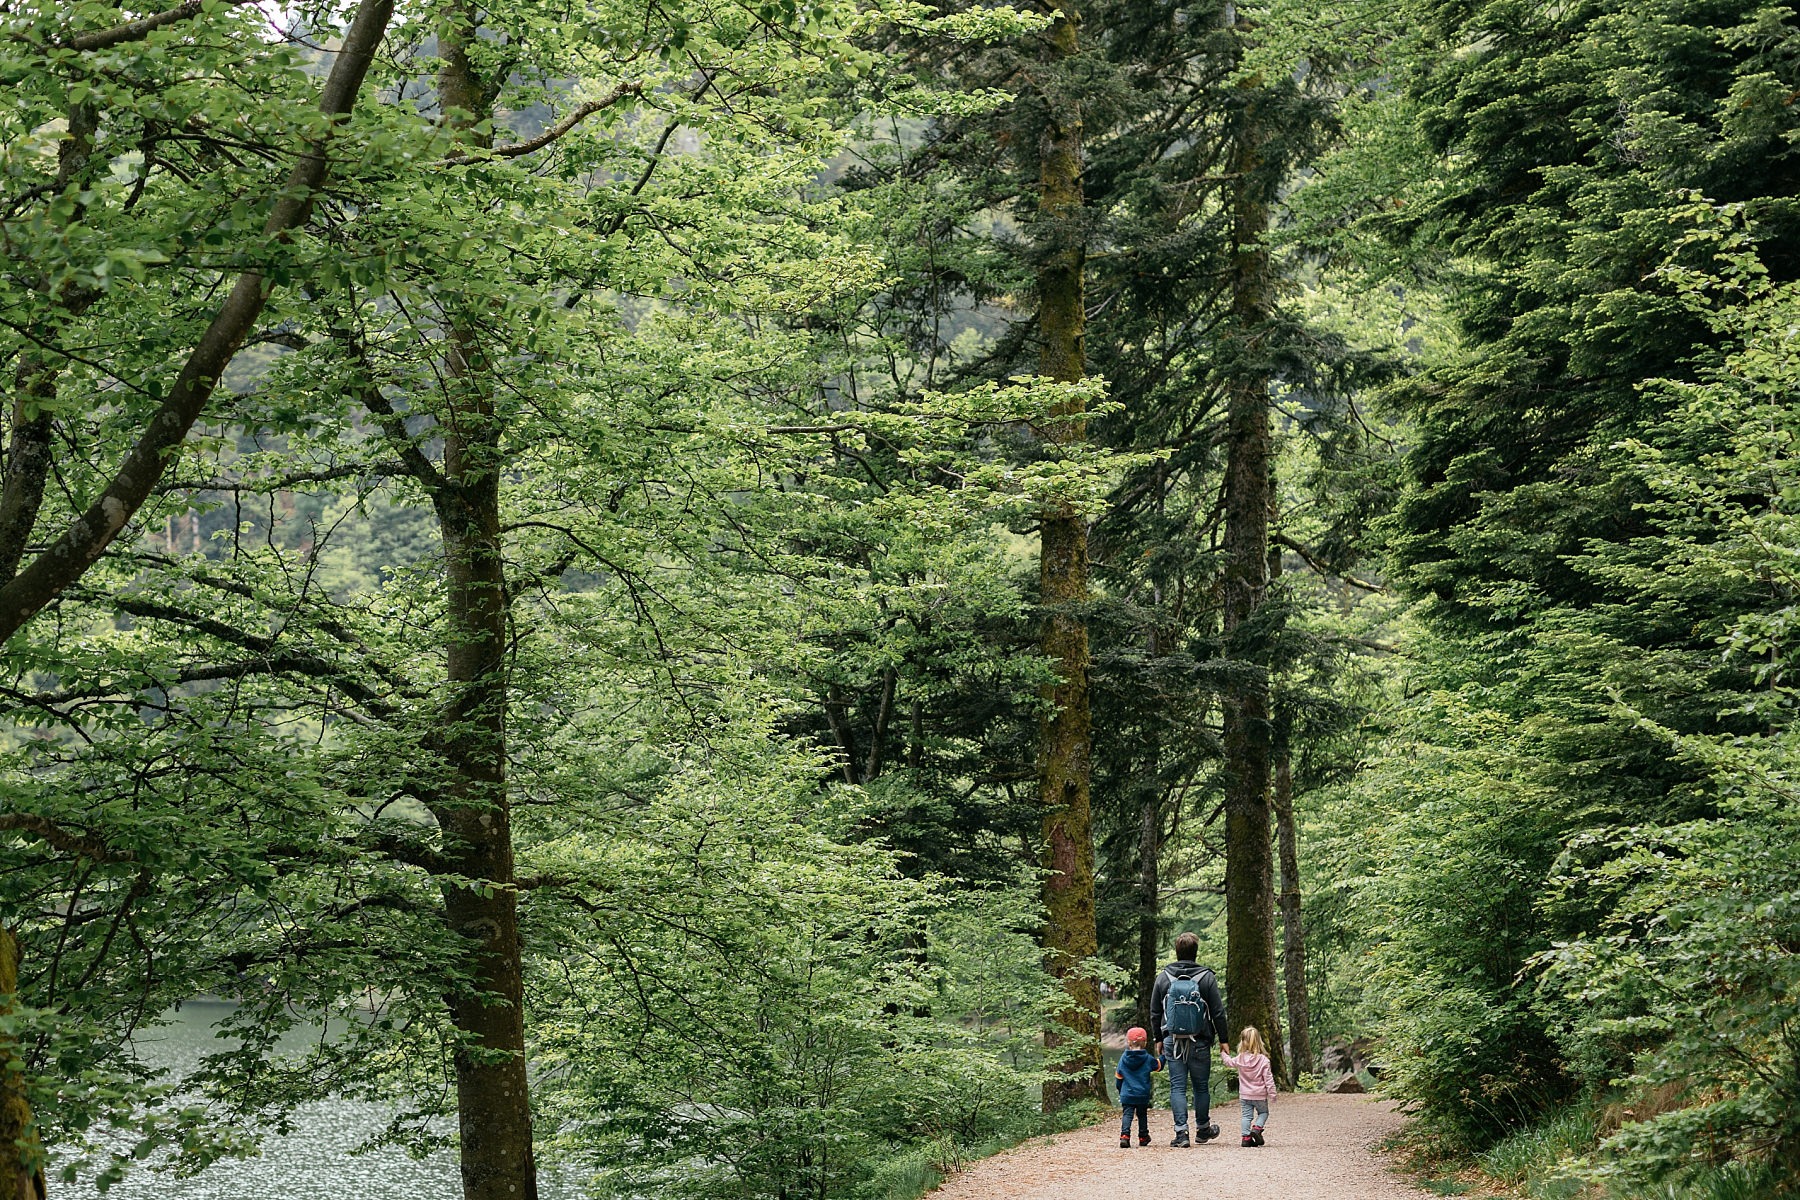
{"x": 536, "y": 327}
{"x": 96, "y": 88}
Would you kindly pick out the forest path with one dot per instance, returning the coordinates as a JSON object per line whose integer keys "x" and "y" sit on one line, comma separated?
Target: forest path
{"x": 1319, "y": 1148}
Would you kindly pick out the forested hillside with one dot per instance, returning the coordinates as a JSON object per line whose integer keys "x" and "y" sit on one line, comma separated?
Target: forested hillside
{"x": 685, "y": 596}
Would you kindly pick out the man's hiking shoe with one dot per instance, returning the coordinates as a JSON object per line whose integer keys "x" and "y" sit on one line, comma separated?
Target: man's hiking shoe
{"x": 1181, "y": 1138}
{"x": 1143, "y": 1139}
{"x": 1124, "y": 1142}
{"x": 1208, "y": 1133}
{"x": 1256, "y": 1134}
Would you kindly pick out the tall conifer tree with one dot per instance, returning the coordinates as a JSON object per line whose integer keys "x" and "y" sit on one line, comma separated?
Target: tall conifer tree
{"x": 1065, "y": 788}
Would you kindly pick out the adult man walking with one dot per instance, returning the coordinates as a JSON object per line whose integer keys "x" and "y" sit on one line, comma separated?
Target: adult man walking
{"x": 1187, "y": 1016}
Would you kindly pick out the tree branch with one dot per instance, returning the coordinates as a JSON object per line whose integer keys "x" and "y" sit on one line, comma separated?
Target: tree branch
{"x": 580, "y": 113}
{"x": 1319, "y": 568}
{"x": 64, "y": 839}
{"x": 133, "y": 31}
{"x": 395, "y": 680}
{"x": 271, "y": 657}
{"x": 411, "y": 853}
{"x": 85, "y": 540}
{"x": 393, "y": 427}
{"x": 281, "y": 483}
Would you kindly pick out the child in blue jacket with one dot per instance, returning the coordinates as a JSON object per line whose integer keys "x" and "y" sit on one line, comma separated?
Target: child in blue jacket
{"x": 1136, "y": 1066}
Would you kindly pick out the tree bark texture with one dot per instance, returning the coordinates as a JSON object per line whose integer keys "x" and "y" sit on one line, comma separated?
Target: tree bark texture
{"x": 21, "y": 1153}
{"x": 26, "y": 467}
{"x": 86, "y": 539}
{"x": 1070, "y": 934}
{"x": 492, "y": 1088}
{"x": 1249, "y": 859}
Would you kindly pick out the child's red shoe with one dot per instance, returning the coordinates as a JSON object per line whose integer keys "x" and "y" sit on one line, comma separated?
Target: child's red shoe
{"x": 1143, "y": 1139}
{"x": 1248, "y": 1140}
{"x": 1124, "y": 1141}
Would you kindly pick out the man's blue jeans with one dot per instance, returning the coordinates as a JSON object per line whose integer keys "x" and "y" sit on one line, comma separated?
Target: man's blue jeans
{"x": 1197, "y": 1068}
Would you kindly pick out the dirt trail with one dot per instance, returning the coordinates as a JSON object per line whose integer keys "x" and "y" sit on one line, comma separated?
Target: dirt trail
{"x": 1319, "y": 1148}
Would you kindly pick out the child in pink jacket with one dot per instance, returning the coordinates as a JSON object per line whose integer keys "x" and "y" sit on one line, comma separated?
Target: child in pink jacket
{"x": 1256, "y": 1083}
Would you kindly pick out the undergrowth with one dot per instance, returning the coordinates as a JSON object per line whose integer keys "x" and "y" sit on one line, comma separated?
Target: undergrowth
{"x": 1536, "y": 1160}
{"x": 917, "y": 1169}
{"x": 1555, "y": 1160}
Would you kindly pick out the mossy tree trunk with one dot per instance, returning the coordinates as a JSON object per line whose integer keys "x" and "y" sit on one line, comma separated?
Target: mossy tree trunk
{"x": 21, "y": 1153}
{"x": 1250, "y": 973}
{"x": 1070, "y": 935}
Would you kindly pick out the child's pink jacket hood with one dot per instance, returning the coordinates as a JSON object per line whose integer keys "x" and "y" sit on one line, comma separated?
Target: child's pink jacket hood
{"x": 1255, "y": 1080}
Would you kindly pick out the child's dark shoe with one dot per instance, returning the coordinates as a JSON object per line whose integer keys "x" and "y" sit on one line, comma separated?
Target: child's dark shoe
{"x": 1248, "y": 1140}
{"x": 1124, "y": 1142}
{"x": 1143, "y": 1139}
{"x": 1256, "y": 1134}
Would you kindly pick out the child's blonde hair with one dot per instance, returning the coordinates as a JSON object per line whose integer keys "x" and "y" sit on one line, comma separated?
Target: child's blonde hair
{"x": 1250, "y": 1041}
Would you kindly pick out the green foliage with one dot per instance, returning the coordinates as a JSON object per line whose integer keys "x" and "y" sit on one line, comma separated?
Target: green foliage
{"x": 1563, "y": 135}
{"x": 1691, "y": 977}
{"x": 1534, "y": 1159}
{"x": 750, "y": 1019}
{"x": 220, "y": 750}
{"x": 755, "y": 335}
{"x": 1461, "y": 823}
{"x": 1592, "y": 513}
{"x": 1580, "y": 853}
{"x": 1693, "y": 980}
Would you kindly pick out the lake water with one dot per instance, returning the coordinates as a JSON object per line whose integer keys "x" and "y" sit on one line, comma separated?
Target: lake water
{"x": 312, "y": 1163}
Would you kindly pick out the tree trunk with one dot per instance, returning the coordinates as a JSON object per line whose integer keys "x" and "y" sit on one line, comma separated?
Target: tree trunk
{"x": 1249, "y": 873}
{"x": 492, "y": 1091}
{"x": 1293, "y": 922}
{"x": 1070, "y": 935}
{"x": 492, "y": 1088}
{"x": 1293, "y": 928}
{"x": 1149, "y": 899}
{"x": 21, "y": 1153}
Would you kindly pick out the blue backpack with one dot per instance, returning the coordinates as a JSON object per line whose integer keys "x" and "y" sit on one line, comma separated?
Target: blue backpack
{"x": 1184, "y": 1010}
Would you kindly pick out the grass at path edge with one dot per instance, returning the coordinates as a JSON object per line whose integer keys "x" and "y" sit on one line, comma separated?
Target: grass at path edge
{"x": 918, "y": 1169}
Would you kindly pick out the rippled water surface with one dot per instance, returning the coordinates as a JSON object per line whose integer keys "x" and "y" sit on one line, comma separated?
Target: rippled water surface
{"x": 312, "y": 1163}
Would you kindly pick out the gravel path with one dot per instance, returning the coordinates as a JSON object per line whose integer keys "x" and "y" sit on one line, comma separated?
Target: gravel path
{"x": 1319, "y": 1148}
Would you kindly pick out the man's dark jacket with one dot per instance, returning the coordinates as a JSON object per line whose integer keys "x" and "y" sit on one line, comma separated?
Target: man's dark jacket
{"x": 1209, "y": 996}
